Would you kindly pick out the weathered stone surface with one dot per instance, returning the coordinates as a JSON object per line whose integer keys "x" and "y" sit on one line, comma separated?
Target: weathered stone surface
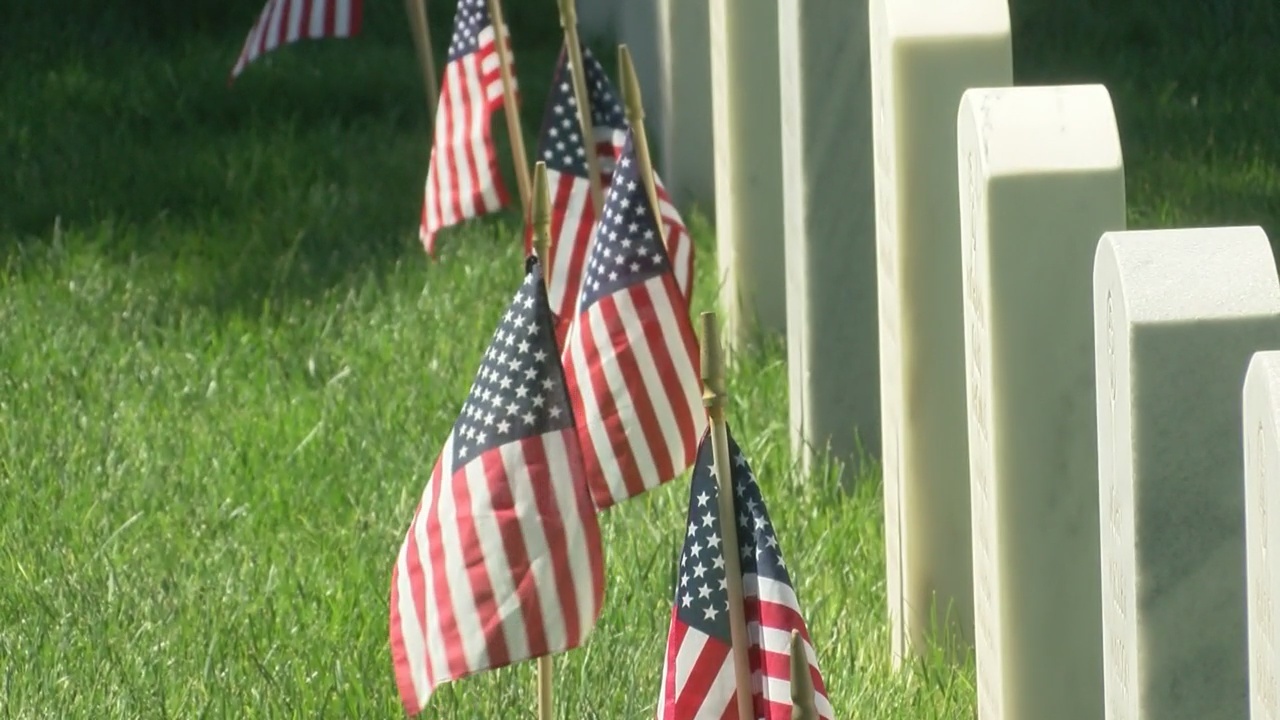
{"x": 1261, "y": 429}
{"x": 829, "y": 228}
{"x": 924, "y": 55}
{"x": 748, "y": 168}
{"x": 1041, "y": 179}
{"x": 1178, "y": 315}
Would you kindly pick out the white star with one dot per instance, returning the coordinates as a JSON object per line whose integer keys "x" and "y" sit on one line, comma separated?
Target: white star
{"x": 528, "y": 418}
{"x": 702, "y": 499}
{"x": 555, "y": 412}
{"x": 710, "y": 612}
{"x": 503, "y": 427}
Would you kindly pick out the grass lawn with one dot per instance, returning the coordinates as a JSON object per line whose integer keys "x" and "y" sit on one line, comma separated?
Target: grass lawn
{"x": 226, "y": 366}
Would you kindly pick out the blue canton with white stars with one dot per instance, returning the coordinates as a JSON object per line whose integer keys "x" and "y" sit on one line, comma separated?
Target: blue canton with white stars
{"x": 519, "y": 391}
{"x": 472, "y": 17}
{"x": 702, "y": 600}
{"x": 561, "y": 145}
{"x": 628, "y": 247}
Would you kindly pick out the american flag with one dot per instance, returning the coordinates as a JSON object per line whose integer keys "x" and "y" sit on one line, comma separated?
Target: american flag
{"x": 464, "y": 180}
{"x": 631, "y": 356}
{"x": 287, "y": 21}
{"x": 697, "y": 676}
{"x": 560, "y": 146}
{"x": 503, "y": 560}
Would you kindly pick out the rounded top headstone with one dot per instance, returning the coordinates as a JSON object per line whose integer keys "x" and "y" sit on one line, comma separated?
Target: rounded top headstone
{"x": 1034, "y": 130}
{"x": 1170, "y": 275}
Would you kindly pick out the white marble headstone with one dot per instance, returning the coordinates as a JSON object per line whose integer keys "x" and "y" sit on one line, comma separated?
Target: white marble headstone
{"x": 748, "y": 168}
{"x": 1041, "y": 179}
{"x": 669, "y": 44}
{"x": 924, "y": 55}
{"x": 1261, "y": 428}
{"x": 829, "y": 228}
{"x": 1178, "y": 315}
{"x": 597, "y": 18}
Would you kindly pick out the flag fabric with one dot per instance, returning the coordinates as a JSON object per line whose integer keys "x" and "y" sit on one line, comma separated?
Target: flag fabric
{"x": 561, "y": 147}
{"x": 631, "y": 356}
{"x": 698, "y": 675}
{"x": 286, "y": 21}
{"x": 464, "y": 179}
{"x": 503, "y": 560}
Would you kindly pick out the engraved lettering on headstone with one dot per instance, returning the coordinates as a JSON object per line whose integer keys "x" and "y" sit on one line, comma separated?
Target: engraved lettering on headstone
{"x": 1111, "y": 347}
{"x": 983, "y": 512}
{"x": 1265, "y": 656}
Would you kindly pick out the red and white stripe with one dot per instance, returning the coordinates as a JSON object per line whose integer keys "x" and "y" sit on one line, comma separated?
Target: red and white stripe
{"x": 632, "y": 358}
{"x": 286, "y": 21}
{"x": 573, "y": 219}
{"x": 698, "y": 679}
{"x": 464, "y": 179}
{"x": 499, "y": 565}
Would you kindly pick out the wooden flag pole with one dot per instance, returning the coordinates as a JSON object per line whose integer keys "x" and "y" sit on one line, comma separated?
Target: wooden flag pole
{"x": 802, "y": 706}
{"x": 510, "y": 106}
{"x": 635, "y": 116}
{"x": 714, "y": 398}
{"x": 541, "y": 220}
{"x": 569, "y": 21}
{"x": 417, "y": 10}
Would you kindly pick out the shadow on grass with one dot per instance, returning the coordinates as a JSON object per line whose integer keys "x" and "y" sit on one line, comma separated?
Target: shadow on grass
{"x": 1196, "y": 89}
{"x": 122, "y": 127}
{"x": 306, "y": 172}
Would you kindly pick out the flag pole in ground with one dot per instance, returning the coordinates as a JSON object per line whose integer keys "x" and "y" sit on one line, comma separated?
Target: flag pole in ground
{"x": 802, "y": 704}
{"x": 569, "y": 21}
{"x": 541, "y": 220}
{"x": 510, "y": 104}
{"x": 714, "y": 397}
{"x": 417, "y": 10}
{"x": 635, "y": 116}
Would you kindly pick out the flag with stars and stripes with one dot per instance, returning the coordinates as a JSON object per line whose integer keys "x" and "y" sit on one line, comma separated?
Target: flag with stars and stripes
{"x": 631, "y": 356}
{"x": 464, "y": 179}
{"x": 502, "y": 561}
{"x": 698, "y": 676}
{"x": 560, "y": 146}
{"x": 286, "y": 21}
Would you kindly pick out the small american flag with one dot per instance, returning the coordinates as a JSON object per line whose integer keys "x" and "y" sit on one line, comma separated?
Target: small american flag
{"x": 287, "y": 21}
{"x": 464, "y": 179}
{"x": 631, "y": 356}
{"x": 560, "y": 146}
{"x": 503, "y": 560}
{"x": 697, "y": 676}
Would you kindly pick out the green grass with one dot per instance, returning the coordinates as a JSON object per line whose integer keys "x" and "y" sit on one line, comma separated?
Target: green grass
{"x": 226, "y": 367}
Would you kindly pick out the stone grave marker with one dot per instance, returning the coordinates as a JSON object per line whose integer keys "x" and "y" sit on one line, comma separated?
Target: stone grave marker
{"x": 669, "y": 44}
{"x": 829, "y": 228}
{"x": 924, "y": 55}
{"x": 1178, "y": 315}
{"x": 1041, "y": 179}
{"x": 597, "y": 19}
{"x": 1261, "y": 429}
{"x": 748, "y": 168}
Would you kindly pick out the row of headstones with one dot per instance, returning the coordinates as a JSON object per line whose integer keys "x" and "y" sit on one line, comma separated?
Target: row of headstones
{"x": 1102, "y": 387}
{"x": 1061, "y": 400}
